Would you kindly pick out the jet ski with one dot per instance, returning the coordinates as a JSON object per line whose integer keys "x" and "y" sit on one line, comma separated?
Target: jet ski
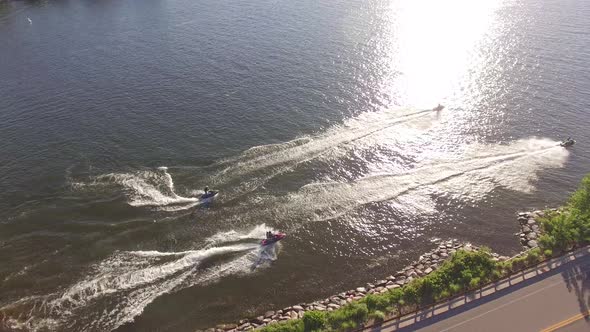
{"x": 209, "y": 196}
{"x": 275, "y": 238}
{"x": 567, "y": 143}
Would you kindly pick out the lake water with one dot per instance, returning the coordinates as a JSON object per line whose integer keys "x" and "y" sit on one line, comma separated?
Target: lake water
{"x": 310, "y": 117}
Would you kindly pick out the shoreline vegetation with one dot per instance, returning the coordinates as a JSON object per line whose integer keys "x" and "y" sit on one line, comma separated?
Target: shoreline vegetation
{"x": 465, "y": 269}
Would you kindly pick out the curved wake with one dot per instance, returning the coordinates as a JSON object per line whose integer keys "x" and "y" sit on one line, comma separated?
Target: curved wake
{"x": 120, "y": 287}
{"x": 471, "y": 174}
{"x": 256, "y": 166}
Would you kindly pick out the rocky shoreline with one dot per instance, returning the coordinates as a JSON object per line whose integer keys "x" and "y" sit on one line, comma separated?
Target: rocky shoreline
{"x": 428, "y": 262}
{"x": 530, "y": 228}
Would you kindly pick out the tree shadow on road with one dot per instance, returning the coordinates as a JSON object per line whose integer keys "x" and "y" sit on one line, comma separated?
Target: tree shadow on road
{"x": 569, "y": 271}
{"x": 578, "y": 281}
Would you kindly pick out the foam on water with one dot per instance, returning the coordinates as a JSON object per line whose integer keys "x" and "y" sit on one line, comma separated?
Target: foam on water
{"x": 149, "y": 188}
{"x": 474, "y": 174}
{"x": 261, "y": 163}
{"x": 129, "y": 281}
{"x": 230, "y": 236}
{"x": 256, "y": 166}
{"x": 470, "y": 174}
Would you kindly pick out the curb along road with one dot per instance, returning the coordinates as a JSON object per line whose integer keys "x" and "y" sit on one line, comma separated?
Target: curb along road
{"x": 488, "y": 292}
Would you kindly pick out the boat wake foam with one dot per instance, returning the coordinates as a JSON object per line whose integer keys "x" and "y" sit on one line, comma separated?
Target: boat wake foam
{"x": 258, "y": 165}
{"x": 154, "y": 188}
{"x": 261, "y": 163}
{"x": 470, "y": 174}
{"x": 119, "y": 288}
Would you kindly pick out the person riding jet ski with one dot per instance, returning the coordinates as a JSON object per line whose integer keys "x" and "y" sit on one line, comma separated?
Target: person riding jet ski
{"x": 438, "y": 108}
{"x": 209, "y": 194}
{"x": 272, "y": 238}
{"x": 568, "y": 142}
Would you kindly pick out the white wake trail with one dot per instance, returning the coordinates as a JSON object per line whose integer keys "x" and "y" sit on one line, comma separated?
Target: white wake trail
{"x": 120, "y": 287}
{"x": 149, "y": 188}
{"x": 259, "y": 164}
{"x": 472, "y": 174}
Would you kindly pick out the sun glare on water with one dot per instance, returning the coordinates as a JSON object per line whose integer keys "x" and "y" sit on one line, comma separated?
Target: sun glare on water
{"x": 433, "y": 45}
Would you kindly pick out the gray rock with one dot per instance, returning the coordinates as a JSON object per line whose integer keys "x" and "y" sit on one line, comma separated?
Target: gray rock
{"x": 428, "y": 270}
{"x": 535, "y": 228}
{"x": 333, "y": 306}
{"x": 361, "y": 290}
{"x": 266, "y": 320}
{"x": 244, "y": 325}
{"x": 434, "y": 256}
{"x": 532, "y": 244}
{"x": 531, "y": 236}
{"x": 394, "y": 286}
{"x": 526, "y": 229}
{"x": 531, "y": 222}
{"x": 381, "y": 283}
{"x": 297, "y": 308}
{"x": 444, "y": 255}
{"x": 258, "y": 320}
{"x": 370, "y": 285}
{"x": 269, "y": 314}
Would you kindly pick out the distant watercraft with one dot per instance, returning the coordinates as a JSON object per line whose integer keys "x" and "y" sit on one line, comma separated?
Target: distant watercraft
{"x": 275, "y": 238}
{"x": 209, "y": 196}
{"x": 30, "y": 21}
{"x": 568, "y": 142}
{"x": 438, "y": 108}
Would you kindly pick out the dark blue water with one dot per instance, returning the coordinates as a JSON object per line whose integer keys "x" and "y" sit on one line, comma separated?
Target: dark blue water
{"x": 311, "y": 118}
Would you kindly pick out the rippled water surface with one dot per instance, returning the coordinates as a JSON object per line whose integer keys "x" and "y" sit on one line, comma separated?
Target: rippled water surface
{"x": 310, "y": 117}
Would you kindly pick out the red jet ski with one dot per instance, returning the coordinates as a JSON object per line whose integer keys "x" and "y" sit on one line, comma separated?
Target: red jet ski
{"x": 275, "y": 238}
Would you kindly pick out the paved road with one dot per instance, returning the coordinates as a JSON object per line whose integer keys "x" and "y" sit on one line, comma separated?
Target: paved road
{"x": 558, "y": 300}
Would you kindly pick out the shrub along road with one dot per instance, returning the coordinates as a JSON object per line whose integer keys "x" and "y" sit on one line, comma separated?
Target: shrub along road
{"x": 558, "y": 300}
